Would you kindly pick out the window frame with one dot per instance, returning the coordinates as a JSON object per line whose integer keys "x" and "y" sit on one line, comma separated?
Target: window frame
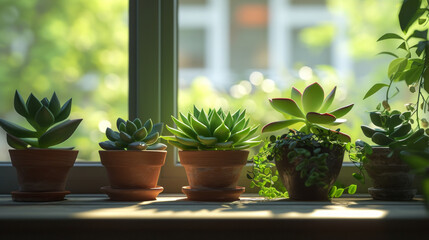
{"x": 153, "y": 71}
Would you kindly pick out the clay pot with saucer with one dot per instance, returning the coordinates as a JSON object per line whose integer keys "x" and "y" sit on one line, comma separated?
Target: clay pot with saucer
{"x": 213, "y": 175}
{"x": 42, "y": 173}
{"x": 133, "y": 175}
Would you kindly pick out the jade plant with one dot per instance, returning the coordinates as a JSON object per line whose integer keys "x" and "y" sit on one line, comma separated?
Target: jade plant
{"x": 212, "y": 130}
{"x": 310, "y": 109}
{"x": 309, "y": 146}
{"x": 134, "y": 135}
{"x": 46, "y": 117}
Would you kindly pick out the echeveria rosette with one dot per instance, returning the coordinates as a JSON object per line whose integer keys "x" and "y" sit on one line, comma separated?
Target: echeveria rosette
{"x": 134, "y": 135}
{"x": 47, "y": 119}
{"x": 212, "y": 130}
{"x": 310, "y": 109}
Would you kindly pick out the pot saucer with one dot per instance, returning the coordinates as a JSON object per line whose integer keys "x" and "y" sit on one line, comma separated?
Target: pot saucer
{"x": 18, "y": 196}
{"x": 135, "y": 194}
{"x": 212, "y": 194}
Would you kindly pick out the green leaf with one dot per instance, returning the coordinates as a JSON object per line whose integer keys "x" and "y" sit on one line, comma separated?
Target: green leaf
{"x": 296, "y": 95}
{"x": 125, "y": 137}
{"x": 208, "y": 141}
{"x": 358, "y": 177}
{"x": 381, "y": 139}
{"x": 118, "y": 123}
{"x": 185, "y": 120}
{"x": 339, "y": 192}
{"x": 375, "y": 89}
{"x": 426, "y": 80}
{"x": 130, "y": 127}
{"x": 238, "y": 126}
{"x": 185, "y": 128}
{"x": 236, "y": 137}
{"x": 319, "y": 118}
{"x": 64, "y": 111}
{"x": 422, "y": 21}
{"x": 274, "y": 126}
{"x": 181, "y": 146}
{"x": 388, "y": 53}
{"x": 54, "y": 105}
{"x": 342, "y": 111}
{"x": 215, "y": 122}
{"x": 15, "y": 142}
{"x": 376, "y": 119}
{"x": 412, "y": 75}
{"x": 33, "y": 105}
{"x": 177, "y": 132}
{"x": 19, "y": 105}
{"x": 328, "y": 100}
{"x": 137, "y": 146}
{"x": 203, "y": 118}
{"x": 312, "y": 97}
{"x": 389, "y": 36}
{"x": 420, "y": 34}
{"x": 352, "y": 189}
{"x": 109, "y": 145}
{"x": 222, "y": 133}
{"x": 286, "y": 106}
{"x": 401, "y": 131}
{"x": 416, "y": 159}
{"x": 122, "y": 127}
{"x": 196, "y": 112}
{"x": 17, "y": 131}
{"x": 367, "y": 131}
{"x": 402, "y": 46}
{"x": 140, "y": 134}
{"x": 112, "y": 135}
{"x": 396, "y": 67}
{"x": 421, "y": 46}
{"x": 200, "y": 128}
{"x": 224, "y": 144}
{"x": 44, "y": 117}
{"x": 59, "y": 133}
{"x": 409, "y": 13}
{"x": 151, "y": 138}
{"x": 342, "y": 137}
{"x": 138, "y": 123}
{"x": 332, "y": 191}
{"x": 157, "y": 146}
{"x": 188, "y": 141}
{"x": 157, "y": 127}
{"x": 45, "y": 102}
{"x": 229, "y": 121}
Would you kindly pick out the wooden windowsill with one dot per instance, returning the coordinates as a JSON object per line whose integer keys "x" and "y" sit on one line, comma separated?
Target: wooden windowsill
{"x": 86, "y": 216}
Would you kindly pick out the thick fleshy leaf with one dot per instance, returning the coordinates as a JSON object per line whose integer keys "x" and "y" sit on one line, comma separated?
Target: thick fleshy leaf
{"x": 15, "y": 142}
{"x": 207, "y": 140}
{"x": 181, "y": 146}
{"x": 319, "y": 118}
{"x": 185, "y": 128}
{"x": 196, "y": 112}
{"x": 396, "y": 67}
{"x": 200, "y": 128}
{"x": 177, "y": 132}
{"x": 286, "y": 106}
{"x": 222, "y": 133}
{"x": 337, "y": 122}
{"x": 54, "y": 105}
{"x": 137, "y": 146}
{"x": 112, "y": 135}
{"x": 312, "y": 97}
{"x": 224, "y": 144}
{"x": 342, "y": 111}
{"x": 140, "y": 134}
{"x": 381, "y": 139}
{"x": 367, "y": 131}
{"x": 229, "y": 121}
{"x": 59, "y": 133}
{"x": 375, "y": 89}
{"x": 238, "y": 136}
{"x": 215, "y": 122}
{"x": 157, "y": 127}
{"x": 274, "y": 126}
{"x": 238, "y": 126}
{"x": 203, "y": 118}
{"x": 19, "y": 105}
{"x": 33, "y": 105}
{"x": 328, "y": 100}
{"x": 188, "y": 141}
{"x": 296, "y": 95}
{"x": 118, "y": 123}
{"x": 131, "y": 127}
{"x": 157, "y": 146}
{"x": 409, "y": 13}
{"x": 16, "y": 130}
{"x": 426, "y": 80}
{"x": 109, "y": 145}
{"x": 125, "y": 137}
{"x": 376, "y": 119}
{"x": 45, "y": 102}
{"x": 236, "y": 115}
{"x": 185, "y": 120}
{"x": 64, "y": 112}
{"x": 151, "y": 138}
{"x": 44, "y": 117}
{"x": 138, "y": 123}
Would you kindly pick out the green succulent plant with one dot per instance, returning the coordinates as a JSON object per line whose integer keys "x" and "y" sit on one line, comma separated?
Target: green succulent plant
{"x": 214, "y": 130}
{"x": 310, "y": 110}
{"x": 42, "y": 116}
{"x": 395, "y": 131}
{"x": 134, "y": 135}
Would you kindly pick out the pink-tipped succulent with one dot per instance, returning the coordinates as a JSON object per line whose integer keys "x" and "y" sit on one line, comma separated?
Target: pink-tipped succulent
{"x": 310, "y": 109}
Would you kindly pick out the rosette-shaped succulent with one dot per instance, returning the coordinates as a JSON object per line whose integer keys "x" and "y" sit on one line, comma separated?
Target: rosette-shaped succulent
{"x": 310, "y": 109}
{"x": 134, "y": 135}
{"x": 395, "y": 131}
{"x": 42, "y": 116}
{"x": 214, "y": 130}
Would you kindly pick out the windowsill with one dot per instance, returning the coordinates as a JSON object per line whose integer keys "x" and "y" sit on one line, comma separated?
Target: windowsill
{"x": 252, "y": 216}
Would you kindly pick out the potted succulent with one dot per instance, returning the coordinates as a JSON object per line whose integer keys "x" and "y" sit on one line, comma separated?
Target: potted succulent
{"x": 212, "y": 150}
{"x": 308, "y": 160}
{"x": 133, "y": 160}
{"x": 42, "y": 170}
{"x": 401, "y": 133}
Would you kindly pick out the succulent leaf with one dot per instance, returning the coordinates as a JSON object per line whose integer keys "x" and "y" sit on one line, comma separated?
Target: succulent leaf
{"x": 15, "y": 142}
{"x": 112, "y": 135}
{"x": 215, "y": 122}
{"x": 140, "y": 134}
{"x": 196, "y": 112}
{"x": 238, "y": 126}
{"x": 342, "y": 111}
{"x": 328, "y": 100}
{"x": 109, "y": 145}
{"x": 118, "y": 123}
{"x": 274, "y": 126}
{"x": 125, "y": 137}
{"x": 33, "y": 105}
{"x": 158, "y": 127}
{"x": 312, "y": 97}
{"x": 185, "y": 128}
{"x": 203, "y": 118}
{"x": 44, "y": 118}
{"x": 200, "y": 128}
{"x": 59, "y": 133}
{"x": 177, "y": 132}
{"x": 296, "y": 95}
{"x": 54, "y": 105}
{"x": 130, "y": 127}
{"x": 139, "y": 123}
{"x": 180, "y": 146}
{"x": 381, "y": 139}
{"x": 16, "y": 130}
{"x": 45, "y": 102}
{"x": 286, "y": 106}
{"x": 137, "y": 146}
{"x": 236, "y": 137}
{"x": 209, "y": 141}
{"x": 376, "y": 119}
{"x": 152, "y": 138}
{"x": 19, "y": 105}
{"x": 319, "y": 118}
{"x": 157, "y": 146}
{"x": 149, "y": 125}
{"x": 188, "y": 141}
{"x": 185, "y": 120}
{"x": 367, "y": 131}
{"x": 229, "y": 122}
{"x": 224, "y": 144}
{"x": 401, "y": 130}
{"x": 222, "y": 133}
{"x": 122, "y": 127}
{"x": 64, "y": 111}
{"x": 394, "y": 120}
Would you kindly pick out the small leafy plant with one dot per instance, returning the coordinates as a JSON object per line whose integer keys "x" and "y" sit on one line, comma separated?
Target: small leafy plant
{"x": 134, "y": 135}
{"x": 214, "y": 130}
{"x": 42, "y": 116}
{"x": 310, "y": 110}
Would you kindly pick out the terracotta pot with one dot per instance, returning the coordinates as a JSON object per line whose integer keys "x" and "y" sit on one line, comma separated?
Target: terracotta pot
{"x": 133, "y": 169}
{"x": 42, "y": 170}
{"x": 391, "y": 177}
{"x": 295, "y": 185}
{"x": 213, "y": 175}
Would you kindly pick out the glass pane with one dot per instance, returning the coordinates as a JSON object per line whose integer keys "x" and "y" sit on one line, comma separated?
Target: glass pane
{"x": 256, "y": 50}
{"x": 78, "y": 49}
